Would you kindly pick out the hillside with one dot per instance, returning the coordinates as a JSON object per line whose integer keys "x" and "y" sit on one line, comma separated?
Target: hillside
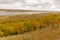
{"x": 30, "y": 27}
{"x": 38, "y": 34}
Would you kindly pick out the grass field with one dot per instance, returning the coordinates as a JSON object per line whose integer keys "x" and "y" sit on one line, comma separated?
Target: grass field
{"x": 41, "y": 26}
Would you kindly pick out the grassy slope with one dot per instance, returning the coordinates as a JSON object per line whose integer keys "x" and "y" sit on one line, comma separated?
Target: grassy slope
{"x": 38, "y": 34}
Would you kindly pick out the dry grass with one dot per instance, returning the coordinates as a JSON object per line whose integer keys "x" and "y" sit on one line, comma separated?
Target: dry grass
{"x": 38, "y": 34}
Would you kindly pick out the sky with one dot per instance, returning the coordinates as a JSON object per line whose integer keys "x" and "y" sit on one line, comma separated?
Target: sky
{"x": 53, "y": 5}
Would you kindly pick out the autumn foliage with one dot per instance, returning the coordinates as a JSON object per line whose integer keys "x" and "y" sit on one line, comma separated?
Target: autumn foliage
{"x": 20, "y": 24}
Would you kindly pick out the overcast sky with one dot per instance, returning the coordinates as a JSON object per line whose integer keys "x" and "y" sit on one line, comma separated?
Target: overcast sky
{"x": 30, "y": 4}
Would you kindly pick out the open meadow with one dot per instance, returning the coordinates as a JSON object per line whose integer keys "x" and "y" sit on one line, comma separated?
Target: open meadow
{"x": 44, "y": 26}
